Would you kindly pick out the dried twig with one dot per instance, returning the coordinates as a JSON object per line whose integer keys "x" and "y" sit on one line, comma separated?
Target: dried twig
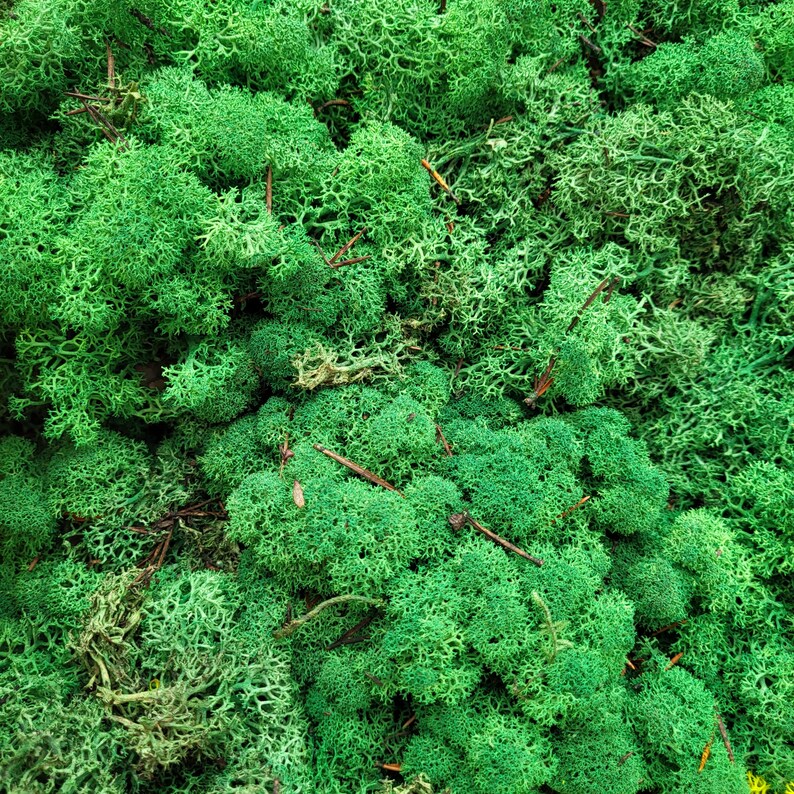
{"x": 556, "y": 64}
{"x": 87, "y": 97}
{"x": 674, "y": 660}
{"x": 541, "y": 384}
{"x": 667, "y": 628}
{"x": 269, "y": 190}
{"x": 33, "y": 563}
{"x": 724, "y": 735}
{"x": 645, "y": 40}
{"x": 362, "y": 624}
{"x": 111, "y": 67}
{"x": 373, "y": 678}
{"x": 360, "y": 470}
{"x": 286, "y": 453}
{"x": 570, "y": 510}
{"x": 622, "y": 760}
{"x": 607, "y": 282}
{"x": 440, "y": 180}
{"x": 346, "y": 247}
{"x": 594, "y": 47}
{"x": 391, "y": 767}
{"x": 354, "y": 261}
{"x": 296, "y": 623}
{"x": 144, "y": 20}
{"x": 440, "y": 437}
{"x": 459, "y": 520}
{"x": 332, "y": 103}
{"x": 584, "y": 20}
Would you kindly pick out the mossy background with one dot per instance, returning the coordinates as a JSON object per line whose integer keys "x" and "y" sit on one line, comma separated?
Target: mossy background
{"x": 176, "y": 175}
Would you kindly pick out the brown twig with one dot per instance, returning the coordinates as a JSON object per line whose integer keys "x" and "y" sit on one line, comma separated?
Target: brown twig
{"x": 154, "y": 561}
{"x": 594, "y": 47}
{"x": 625, "y": 758}
{"x": 457, "y": 368}
{"x": 440, "y": 180}
{"x": 645, "y": 40}
{"x": 607, "y": 282}
{"x": 353, "y": 261}
{"x": 276, "y": 786}
{"x": 362, "y": 624}
{"x": 556, "y": 64}
{"x": 144, "y": 20}
{"x": 667, "y": 628}
{"x": 630, "y": 663}
{"x": 269, "y": 190}
{"x": 332, "y": 103}
{"x": 373, "y": 678}
{"x": 724, "y": 735}
{"x": 360, "y": 470}
{"x": 391, "y": 767}
{"x": 88, "y": 97}
{"x": 570, "y": 510}
{"x": 584, "y": 19}
{"x": 410, "y": 721}
{"x": 541, "y": 385}
{"x": 440, "y": 437}
{"x": 674, "y": 660}
{"x": 346, "y": 247}
{"x": 616, "y": 214}
{"x": 459, "y": 520}
{"x": 286, "y": 453}
{"x": 76, "y": 111}
{"x": 111, "y": 67}
{"x": 503, "y": 120}
{"x": 33, "y": 563}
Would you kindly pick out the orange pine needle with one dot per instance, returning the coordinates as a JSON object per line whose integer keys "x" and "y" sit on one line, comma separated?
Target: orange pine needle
{"x": 391, "y": 767}
{"x": 443, "y": 440}
{"x": 440, "y": 180}
{"x": 674, "y": 660}
{"x": 706, "y": 753}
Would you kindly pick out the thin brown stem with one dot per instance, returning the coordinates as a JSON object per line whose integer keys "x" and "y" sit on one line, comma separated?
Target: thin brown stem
{"x": 674, "y": 660}
{"x": 353, "y": 261}
{"x": 593, "y": 295}
{"x": 459, "y": 520}
{"x": 585, "y": 21}
{"x": 362, "y": 624}
{"x": 269, "y": 190}
{"x": 725, "y": 739}
{"x": 360, "y": 470}
{"x": 443, "y": 440}
{"x": 594, "y": 47}
{"x": 440, "y": 181}
{"x": 111, "y": 67}
{"x": 346, "y": 247}
{"x": 333, "y": 103}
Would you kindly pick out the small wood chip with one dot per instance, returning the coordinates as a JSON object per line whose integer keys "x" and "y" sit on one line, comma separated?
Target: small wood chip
{"x": 297, "y": 495}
